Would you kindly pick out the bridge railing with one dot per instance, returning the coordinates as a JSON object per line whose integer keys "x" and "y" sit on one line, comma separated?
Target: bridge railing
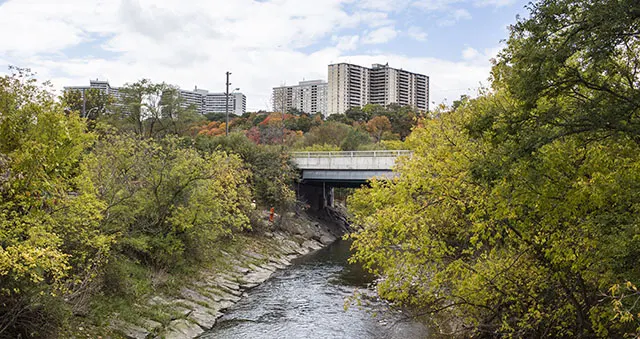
{"x": 352, "y": 154}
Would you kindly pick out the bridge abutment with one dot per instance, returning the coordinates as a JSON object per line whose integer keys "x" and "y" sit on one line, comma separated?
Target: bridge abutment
{"x": 317, "y": 196}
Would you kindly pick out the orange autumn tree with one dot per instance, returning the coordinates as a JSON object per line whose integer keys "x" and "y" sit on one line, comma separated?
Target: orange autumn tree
{"x": 213, "y": 128}
{"x": 377, "y": 126}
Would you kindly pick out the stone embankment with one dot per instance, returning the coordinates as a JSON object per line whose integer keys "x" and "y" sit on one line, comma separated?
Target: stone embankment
{"x": 200, "y": 302}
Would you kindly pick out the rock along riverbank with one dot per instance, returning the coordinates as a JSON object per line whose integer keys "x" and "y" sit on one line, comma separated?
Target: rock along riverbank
{"x": 197, "y": 305}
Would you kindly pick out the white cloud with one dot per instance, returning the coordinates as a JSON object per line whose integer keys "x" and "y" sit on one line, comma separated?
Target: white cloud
{"x": 494, "y": 3}
{"x": 346, "y": 43}
{"x": 261, "y": 43}
{"x": 460, "y": 14}
{"x": 417, "y": 33}
{"x": 473, "y": 56}
{"x": 454, "y": 16}
{"x": 440, "y": 5}
{"x": 372, "y": 19}
{"x": 384, "y": 5}
{"x": 380, "y": 35}
{"x": 470, "y": 53}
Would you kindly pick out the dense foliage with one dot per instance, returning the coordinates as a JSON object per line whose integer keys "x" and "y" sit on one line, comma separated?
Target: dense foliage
{"x": 88, "y": 215}
{"x": 50, "y": 237}
{"x": 358, "y": 129}
{"x": 271, "y": 169}
{"x": 518, "y": 213}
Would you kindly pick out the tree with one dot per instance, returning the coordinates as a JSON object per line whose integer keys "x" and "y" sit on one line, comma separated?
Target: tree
{"x": 50, "y": 241}
{"x": 167, "y": 204}
{"x": 281, "y": 100}
{"x": 95, "y": 104}
{"x": 153, "y": 110}
{"x": 574, "y": 65}
{"x": 272, "y": 172}
{"x": 331, "y": 133}
{"x": 357, "y": 114}
{"x": 302, "y": 122}
{"x": 372, "y": 110}
{"x": 378, "y": 126}
{"x": 402, "y": 119}
{"x": 294, "y": 111}
{"x": 355, "y": 139}
{"x": 516, "y": 214}
{"x": 341, "y": 118}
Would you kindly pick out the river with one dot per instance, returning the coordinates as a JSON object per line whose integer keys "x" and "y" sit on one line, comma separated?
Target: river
{"x": 306, "y": 300}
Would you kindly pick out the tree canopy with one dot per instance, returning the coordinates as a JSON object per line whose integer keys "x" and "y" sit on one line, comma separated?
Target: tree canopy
{"x": 517, "y": 214}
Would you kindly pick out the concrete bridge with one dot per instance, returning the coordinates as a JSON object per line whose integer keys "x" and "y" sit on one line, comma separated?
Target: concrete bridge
{"x": 322, "y": 171}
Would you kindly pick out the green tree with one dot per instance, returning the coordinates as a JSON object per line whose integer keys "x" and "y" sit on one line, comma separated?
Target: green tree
{"x": 355, "y": 139}
{"x": 517, "y": 212}
{"x": 331, "y": 133}
{"x": 272, "y": 173}
{"x": 357, "y": 114}
{"x": 574, "y": 65}
{"x": 167, "y": 204}
{"x": 50, "y": 241}
{"x": 153, "y": 110}
{"x": 341, "y": 118}
{"x": 372, "y": 110}
{"x": 402, "y": 119}
{"x": 95, "y": 104}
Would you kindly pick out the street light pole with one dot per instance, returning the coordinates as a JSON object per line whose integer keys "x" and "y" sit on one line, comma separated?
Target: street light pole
{"x": 226, "y": 107}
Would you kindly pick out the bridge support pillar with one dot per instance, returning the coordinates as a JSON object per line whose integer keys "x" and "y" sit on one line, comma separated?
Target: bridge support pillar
{"x": 327, "y": 195}
{"x": 318, "y": 197}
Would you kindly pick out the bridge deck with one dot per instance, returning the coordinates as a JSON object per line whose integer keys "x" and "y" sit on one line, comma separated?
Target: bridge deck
{"x": 348, "y": 161}
{"x": 347, "y": 167}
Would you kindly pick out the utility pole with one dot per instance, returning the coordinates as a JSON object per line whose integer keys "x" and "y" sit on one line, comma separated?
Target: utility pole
{"x": 226, "y": 106}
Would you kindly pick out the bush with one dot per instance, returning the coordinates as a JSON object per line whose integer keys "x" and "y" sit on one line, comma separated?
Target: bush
{"x": 272, "y": 173}
{"x": 167, "y": 204}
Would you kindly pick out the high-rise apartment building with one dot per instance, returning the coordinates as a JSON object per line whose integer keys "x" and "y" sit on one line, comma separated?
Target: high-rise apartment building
{"x": 355, "y": 86}
{"x": 348, "y": 87}
{"x": 307, "y": 96}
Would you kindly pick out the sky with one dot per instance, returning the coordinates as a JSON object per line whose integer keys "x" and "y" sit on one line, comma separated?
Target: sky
{"x": 263, "y": 43}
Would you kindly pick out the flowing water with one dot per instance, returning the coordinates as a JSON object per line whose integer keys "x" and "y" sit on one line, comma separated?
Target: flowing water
{"x": 307, "y": 299}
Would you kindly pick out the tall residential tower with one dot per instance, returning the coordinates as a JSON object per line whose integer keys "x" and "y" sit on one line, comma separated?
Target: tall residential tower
{"x": 355, "y": 86}
{"x": 308, "y": 97}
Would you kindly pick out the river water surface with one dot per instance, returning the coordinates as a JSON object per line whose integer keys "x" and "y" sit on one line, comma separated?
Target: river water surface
{"x": 306, "y": 300}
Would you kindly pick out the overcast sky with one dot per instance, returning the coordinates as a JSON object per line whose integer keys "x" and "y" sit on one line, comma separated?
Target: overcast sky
{"x": 264, "y": 43}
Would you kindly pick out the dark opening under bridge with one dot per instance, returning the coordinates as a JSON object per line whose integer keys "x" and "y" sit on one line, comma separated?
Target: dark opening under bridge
{"x": 322, "y": 171}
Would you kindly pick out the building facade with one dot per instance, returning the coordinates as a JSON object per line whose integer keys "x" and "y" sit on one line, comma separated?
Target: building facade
{"x": 307, "y": 96}
{"x": 216, "y": 103}
{"x": 355, "y": 86}
{"x": 206, "y": 102}
{"x": 103, "y": 86}
{"x": 202, "y": 100}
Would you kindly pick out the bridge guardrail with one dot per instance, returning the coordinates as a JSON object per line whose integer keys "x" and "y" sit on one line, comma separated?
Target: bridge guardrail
{"x": 351, "y": 154}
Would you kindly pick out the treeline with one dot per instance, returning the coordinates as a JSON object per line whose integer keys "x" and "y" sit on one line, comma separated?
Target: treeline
{"x": 518, "y": 214}
{"x": 367, "y": 128}
{"x": 153, "y": 110}
{"x": 105, "y": 207}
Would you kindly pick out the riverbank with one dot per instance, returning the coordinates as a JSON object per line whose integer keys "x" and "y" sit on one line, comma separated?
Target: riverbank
{"x": 195, "y": 304}
{"x": 307, "y": 300}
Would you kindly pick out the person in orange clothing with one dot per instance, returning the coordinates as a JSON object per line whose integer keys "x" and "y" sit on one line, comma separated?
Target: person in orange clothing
{"x": 271, "y": 213}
